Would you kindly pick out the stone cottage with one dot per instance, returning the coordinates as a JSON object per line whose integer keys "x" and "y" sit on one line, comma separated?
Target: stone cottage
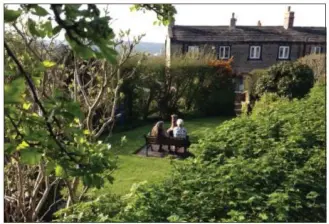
{"x": 253, "y": 47}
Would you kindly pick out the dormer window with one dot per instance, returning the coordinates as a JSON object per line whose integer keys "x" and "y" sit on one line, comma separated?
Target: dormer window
{"x": 284, "y": 52}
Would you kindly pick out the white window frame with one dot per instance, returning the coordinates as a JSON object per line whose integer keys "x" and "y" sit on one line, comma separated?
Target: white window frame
{"x": 286, "y": 52}
{"x": 316, "y": 50}
{"x": 194, "y": 49}
{"x": 253, "y": 52}
{"x": 225, "y": 50}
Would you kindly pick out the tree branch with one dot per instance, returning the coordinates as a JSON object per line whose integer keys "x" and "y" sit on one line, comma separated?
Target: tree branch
{"x": 79, "y": 82}
{"x": 27, "y": 43}
{"x": 71, "y": 194}
{"x": 36, "y": 189}
{"x": 83, "y": 192}
{"x": 15, "y": 126}
{"x": 50, "y": 207}
{"x": 42, "y": 200}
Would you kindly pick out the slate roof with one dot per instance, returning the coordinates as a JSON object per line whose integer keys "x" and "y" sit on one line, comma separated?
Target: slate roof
{"x": 247, "y": 34}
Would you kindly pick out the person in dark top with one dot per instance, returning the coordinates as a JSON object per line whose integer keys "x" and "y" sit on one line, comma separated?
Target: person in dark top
{"x": 170, "y": 131}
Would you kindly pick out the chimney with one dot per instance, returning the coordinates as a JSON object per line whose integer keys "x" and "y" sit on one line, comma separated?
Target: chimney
{"x": 259, "y": 23}
{"x": 289, "y": 19}
{"x": 233, "y": 21}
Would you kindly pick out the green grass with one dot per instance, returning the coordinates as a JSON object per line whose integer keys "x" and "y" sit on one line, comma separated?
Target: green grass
{"x": 133, "y": 169}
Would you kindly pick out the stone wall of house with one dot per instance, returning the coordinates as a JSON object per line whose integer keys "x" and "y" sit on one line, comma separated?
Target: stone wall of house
{"x": 176, "y": 49}
{"x": 240, "y": 52}
{"x": 269, "y": 56}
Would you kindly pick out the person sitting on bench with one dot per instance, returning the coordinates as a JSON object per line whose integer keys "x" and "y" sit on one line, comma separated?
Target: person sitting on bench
{"x": 170, "y": 131}
{"x": 158, "y": 130}
{"x": 180, "y": 131}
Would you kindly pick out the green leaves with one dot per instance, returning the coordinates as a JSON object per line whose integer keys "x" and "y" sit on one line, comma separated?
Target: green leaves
{"x": 93, "y": 181}
{"x": 11, "y": 15}
{"x": 30, "y": 156}
{"x": 50, "y": 167}
{"x": 74, "y": 109}
{"x": 39, "y": 11}
{"x": 312, "y": 195}
{"x": 47, "y": 29}
{"x": 48, "y": 64}
{"x": 23, "y": 145}
{"x": 14, "y": 91}
{"x": 84, "y": 52}
{"x": 56, "y": 30}
{"x": 31, "y": 24}
{"x": 165, "y": 12}
{"x": 59, "y": 171}
{"x": 26, "y": 106}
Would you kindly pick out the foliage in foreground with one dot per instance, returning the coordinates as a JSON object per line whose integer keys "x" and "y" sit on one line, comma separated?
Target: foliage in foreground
{"x": 47, "y": 149}
{"x": 102, "y": 209}
{"x": 269, "y": 167}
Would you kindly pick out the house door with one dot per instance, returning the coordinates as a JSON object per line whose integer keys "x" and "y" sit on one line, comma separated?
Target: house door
{"x": 239, "y": 86}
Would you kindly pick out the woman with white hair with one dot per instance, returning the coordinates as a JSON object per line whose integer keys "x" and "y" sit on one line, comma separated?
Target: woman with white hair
{"x": 180, "y": 131}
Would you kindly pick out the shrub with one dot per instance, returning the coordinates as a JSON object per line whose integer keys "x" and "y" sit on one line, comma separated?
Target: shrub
{"x": 102, "y": 209}
{"x": 192, "y": 85}
{"x": 266, "y": 102}
{"x": 290, "y": 79}
{"x": 317, "y": 62}
{"x": 251, "y": 80}
{"x": 269, "y": 167}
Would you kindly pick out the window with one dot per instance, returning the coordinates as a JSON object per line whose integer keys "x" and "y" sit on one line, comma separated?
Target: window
{"x": 254, "y": 52}
{"x": 224, "y": 52}
{"x": 283, "y": 52}
{"x": 316, "y": 50}
{"x": 193, "y": 49}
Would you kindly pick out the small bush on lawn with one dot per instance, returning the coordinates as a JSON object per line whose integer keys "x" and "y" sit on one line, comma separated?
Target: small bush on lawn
{"x": 289, "y": 79}
{"x": 269, "y": 167}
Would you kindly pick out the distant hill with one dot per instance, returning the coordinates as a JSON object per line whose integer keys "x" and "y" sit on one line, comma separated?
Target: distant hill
{"x": 149, "y": 47}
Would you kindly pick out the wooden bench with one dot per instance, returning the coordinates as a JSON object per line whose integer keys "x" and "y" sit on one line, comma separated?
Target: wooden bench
{"x": 169, "y": 141}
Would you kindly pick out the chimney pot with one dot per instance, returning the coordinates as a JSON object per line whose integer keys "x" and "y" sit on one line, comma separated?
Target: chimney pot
{"x": 233, "y": 21}
{"x": 259, "y": 23}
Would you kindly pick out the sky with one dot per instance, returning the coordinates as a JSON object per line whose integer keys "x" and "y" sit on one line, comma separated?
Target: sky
{"x": 212, "y": 14}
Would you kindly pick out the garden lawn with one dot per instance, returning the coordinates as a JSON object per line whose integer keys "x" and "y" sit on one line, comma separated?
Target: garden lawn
{"x": 133, "y": 169}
